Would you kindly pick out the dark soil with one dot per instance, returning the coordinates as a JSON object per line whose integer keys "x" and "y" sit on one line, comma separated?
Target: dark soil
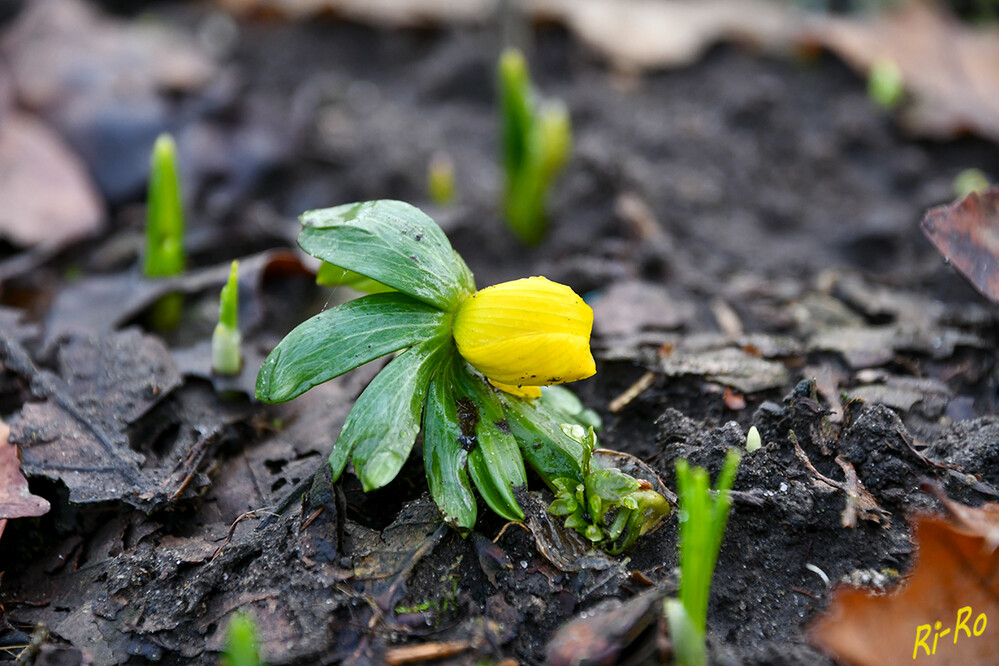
{"x": 747, "y": 222}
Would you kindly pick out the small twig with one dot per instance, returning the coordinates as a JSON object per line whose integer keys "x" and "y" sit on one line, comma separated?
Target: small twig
{"x": 632, "y": 392}
{"x": 414, "y": 654}
{"x": 401, "y": 577}
{"x": 750, "y": 497}
{"x": 805, "y": 592}
{"x": 232, "y": 528}
{"x": 308, "y": 521}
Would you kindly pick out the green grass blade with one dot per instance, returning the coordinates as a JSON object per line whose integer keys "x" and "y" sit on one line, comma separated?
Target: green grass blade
{"x": 686, "y": 640}
{"x": 343, "y": 338}
{"x": 390, "y": 242}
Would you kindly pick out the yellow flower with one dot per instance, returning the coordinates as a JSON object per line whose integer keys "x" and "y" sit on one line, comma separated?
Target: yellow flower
{"x": 526, "y": 333}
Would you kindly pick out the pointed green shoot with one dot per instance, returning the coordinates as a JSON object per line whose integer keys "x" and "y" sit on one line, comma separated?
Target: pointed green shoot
{"x": 515, "y": 109}
{"x": 227, "y": 359}
{"x": 241, "y": 642}
{"x": 164, "y": 254}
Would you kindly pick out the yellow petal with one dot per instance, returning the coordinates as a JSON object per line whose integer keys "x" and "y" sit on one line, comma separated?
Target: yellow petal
{"x": 528, "y": 332}
{"x": 532, "y": 392}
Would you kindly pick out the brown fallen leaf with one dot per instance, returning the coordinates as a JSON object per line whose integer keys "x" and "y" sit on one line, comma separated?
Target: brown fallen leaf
{"x": 97, "y": 79}
{"x": 941, "y": 613}
{"x": 48, "y": 197}
{"x": 641, "y": 34}
{"x": 951, "y": 69}
{"x": 966, "y": 233}
{"x": 58, "y": 50}
{"x": 16, "y": 501}
{"x": 633, "y": 34}
{"x": 397, "y": 13}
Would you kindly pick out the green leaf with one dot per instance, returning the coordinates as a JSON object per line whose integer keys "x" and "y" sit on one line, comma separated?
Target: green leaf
{"x": 548, "y": 450}
{"x": 611, "y": 485}
{"x": 495, "y": 463}
{"x": 343, "y": 338}
{"x": 390, "y": 242}
{"x": 563, "y": 505}
{"x": 384, "y": 422}
{"x": 329, "y": 275}
{"x": 443, "y": 456}
{"x": 570, "y": 409}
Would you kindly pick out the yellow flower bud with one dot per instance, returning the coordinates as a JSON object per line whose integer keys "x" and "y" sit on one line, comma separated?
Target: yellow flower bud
{"x": 524, "y": 333}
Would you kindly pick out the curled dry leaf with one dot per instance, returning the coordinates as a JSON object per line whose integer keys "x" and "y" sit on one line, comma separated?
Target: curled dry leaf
{"x": 47, "y": 195}
{"x": 942, "y": 612}
{"x": 966, "y": 233}
{"x": 16, "y": 501}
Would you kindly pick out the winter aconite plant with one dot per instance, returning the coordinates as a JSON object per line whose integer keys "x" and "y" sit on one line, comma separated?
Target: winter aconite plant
{"x": 468, "y": 370}
{"x": 608, "y": 507}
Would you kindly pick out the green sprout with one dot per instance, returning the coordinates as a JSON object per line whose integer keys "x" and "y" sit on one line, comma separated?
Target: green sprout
{"x": 885, "y": 85}
{"x": 241, "y": 642}
{"x": 164, "y": 255}
{"x": 753, "y": 440}
{"x": 968, "y": 181}
{"x": 536, "y": 142}
{"x": 226, "y": 339}
{"x": 467, "y": 370}
{"x": 440, "y": 179}
{"x": 703, "y": 517}
{"x": 609, "y": 507}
